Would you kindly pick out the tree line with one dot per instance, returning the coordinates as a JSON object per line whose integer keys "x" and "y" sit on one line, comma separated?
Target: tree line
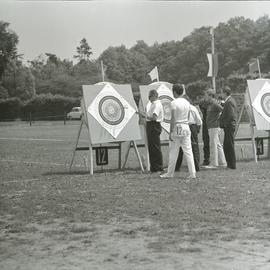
{"x": 237, "y": 42}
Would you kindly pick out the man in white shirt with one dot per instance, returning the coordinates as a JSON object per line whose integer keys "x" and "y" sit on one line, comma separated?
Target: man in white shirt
{"x": 180, "y": 133}
{"x": 195, "y": 123}
{"x": 154, "y": 117}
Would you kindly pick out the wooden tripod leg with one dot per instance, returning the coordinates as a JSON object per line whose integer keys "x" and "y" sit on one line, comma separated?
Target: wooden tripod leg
{"x": 253, "y": 142}
{"x": 268, "y": 145}
{"x": 91, "y": 160}
{"x": 138, "y": 155}
{"x": 126, "y": 156}
{"x": 77, "y": 141}
{"x": 120, "y": 155}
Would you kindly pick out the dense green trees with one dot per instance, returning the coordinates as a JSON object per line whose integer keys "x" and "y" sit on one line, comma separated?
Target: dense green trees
{"x": 236, "y": 41}
{"x": 8, "y": 49}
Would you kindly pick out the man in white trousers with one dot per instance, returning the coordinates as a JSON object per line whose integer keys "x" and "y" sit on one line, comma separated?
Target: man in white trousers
{"x": 180, "y": 133}
{"x": 217, "y": 157}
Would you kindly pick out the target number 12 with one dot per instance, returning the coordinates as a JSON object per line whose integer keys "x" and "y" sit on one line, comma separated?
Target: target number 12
{"x": 102, "y": 156}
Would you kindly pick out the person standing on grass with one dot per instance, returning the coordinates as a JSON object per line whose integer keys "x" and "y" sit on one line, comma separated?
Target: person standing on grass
{"x": 180, "y": 135}
{"x": 228, "y": 120}
{"x": 195, "y": 123}
{"x": 212, "y": 121}
{"x": 154, "y": 117}
{"x": 203, "y": 104}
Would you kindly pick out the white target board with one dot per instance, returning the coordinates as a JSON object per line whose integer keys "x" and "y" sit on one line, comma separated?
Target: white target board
{"x": 165, "y": 95}
{"x": 259, "y": 92}
{"x": 110, "y": 113}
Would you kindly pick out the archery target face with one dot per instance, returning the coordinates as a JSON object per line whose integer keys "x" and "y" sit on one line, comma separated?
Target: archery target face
{"x": 111, "y": 110}
{"x": 262, "y": 102}
{"x": 166, "y": 96}
{"x": 265, "y": 103}
{"x": 166, "y": 104}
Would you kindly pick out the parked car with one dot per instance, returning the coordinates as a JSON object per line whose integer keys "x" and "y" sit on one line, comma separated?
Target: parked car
{"x": 75, "y": 113}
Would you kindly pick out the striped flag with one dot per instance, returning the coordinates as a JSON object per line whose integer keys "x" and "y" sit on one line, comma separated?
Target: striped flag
{"x": 154, "y": 74}
{"x": 213, "y": 65}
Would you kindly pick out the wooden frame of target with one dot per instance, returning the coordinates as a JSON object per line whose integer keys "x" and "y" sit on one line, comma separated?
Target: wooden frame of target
{"x": 259, "y": 93}
{"x": 257, "y": 106}
{"x": 165, "y": 94}
{"x": 259, "y": 97}
{"x": 110, "y": 116}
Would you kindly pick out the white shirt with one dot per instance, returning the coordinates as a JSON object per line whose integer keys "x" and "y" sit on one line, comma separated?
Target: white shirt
{"x": 194, "y": 116}
{"x": 181, "y": 108}
{"x": 155, "y": 108}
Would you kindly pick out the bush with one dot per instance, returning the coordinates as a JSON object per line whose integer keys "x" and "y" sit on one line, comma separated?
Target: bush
{"x": 10, "y": 109}
{"x": 48, "y": 107}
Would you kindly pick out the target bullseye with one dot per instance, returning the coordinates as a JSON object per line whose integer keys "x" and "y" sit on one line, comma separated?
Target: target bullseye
{"x": 111, "y": 110}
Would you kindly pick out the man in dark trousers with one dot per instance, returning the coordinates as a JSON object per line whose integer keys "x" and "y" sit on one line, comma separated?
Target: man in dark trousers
{"x": 228, "y": 120}
{"x": 154, "y": 117}
{"x": 205, "y": 135}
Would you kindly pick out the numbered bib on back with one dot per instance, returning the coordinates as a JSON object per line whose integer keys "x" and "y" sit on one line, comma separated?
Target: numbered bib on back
{"x": 182, "y": 130}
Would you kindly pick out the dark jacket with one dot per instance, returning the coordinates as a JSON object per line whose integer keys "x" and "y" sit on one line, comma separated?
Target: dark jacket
{"x": 229, "y": 114}
{"x": 203, "y": 107}
{"x": 213, "y": 114}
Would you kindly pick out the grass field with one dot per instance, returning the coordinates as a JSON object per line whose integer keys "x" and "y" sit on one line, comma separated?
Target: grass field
{"x": 51, "y": 219}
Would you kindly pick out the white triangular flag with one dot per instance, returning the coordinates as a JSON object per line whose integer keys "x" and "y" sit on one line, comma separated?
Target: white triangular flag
{"x": 154, "y": 74}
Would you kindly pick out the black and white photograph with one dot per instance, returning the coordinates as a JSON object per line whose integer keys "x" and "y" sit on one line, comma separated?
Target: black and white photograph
{"x": 134, "y": 135}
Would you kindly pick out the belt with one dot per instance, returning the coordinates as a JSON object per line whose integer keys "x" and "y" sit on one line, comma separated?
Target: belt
{"x": 184, "y": 122}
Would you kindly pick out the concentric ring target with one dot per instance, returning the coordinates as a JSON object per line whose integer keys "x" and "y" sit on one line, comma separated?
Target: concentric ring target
{"x": 111, "y": 110}
{"x": 265, "y": 103}
{"x": 166, "y": 104}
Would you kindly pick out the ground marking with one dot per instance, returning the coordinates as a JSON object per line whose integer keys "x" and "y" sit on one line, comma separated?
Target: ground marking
{"x": 37, "y": 162}
{"x": 20, "y": 181}
{"x": 32, "y": 139}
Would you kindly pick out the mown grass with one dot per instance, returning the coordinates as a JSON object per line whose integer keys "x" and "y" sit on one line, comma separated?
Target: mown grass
{"x": 37, "y": 188}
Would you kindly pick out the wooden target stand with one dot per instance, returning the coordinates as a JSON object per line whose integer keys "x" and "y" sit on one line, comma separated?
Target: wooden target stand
{"x": 113, "y": 145}
{"x": 246, "y": 106}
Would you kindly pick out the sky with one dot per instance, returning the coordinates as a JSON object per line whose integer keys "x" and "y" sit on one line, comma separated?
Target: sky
{"x": 58, "y": 26}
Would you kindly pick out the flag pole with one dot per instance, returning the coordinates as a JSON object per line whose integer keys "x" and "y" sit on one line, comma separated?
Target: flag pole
{"x": 213, "y": 53}
{"x": 102, "y": 71}
{"x": 157, "y": 74}
{"x": 258, "y": 63}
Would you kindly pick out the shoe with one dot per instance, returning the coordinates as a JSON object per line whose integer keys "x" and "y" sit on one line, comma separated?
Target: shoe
{"x": 210, "y": 167}
{"x": 191, "y": 177}
{"x": 156, "y": 172}
{"x": 223, "y": 165}
{"x": 205, "y": 163}
{"x": 165, "y": 175}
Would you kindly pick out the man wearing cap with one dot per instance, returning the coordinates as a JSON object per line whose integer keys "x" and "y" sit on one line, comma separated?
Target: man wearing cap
{"x": 179, "y": 133}
{"x": 227, "y": 122}
{"x": 213, "y": 113}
